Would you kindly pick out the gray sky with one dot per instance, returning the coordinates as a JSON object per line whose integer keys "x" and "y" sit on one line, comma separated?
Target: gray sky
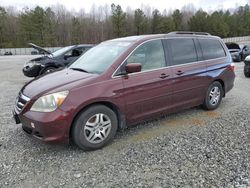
{"x": 159, "y": 4}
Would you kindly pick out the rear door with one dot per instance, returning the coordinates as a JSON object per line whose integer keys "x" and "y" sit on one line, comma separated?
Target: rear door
{"x": 189, "y": 73}
{"x": 215, "y": 57}
{"x": 150, "y": 91}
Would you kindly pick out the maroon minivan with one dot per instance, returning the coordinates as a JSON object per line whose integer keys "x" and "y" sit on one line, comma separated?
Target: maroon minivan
{"x": 124, "y": 81}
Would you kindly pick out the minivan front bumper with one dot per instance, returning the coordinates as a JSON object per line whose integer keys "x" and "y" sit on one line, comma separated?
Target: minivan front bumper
{"x": 48, "y": 127}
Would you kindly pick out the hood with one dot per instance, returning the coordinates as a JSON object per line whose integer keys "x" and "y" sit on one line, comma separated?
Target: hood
{"x": 232, "y": 45}
{"x": 234, "y": 51}
{"x": 65, "y": 79}
{"x": 41, "y": 58}
{"x": 40, "y": 49}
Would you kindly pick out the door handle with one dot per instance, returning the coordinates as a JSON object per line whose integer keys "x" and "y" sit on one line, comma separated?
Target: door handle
{"x": 163, "y": 75}
{"x": 179, "y": 72}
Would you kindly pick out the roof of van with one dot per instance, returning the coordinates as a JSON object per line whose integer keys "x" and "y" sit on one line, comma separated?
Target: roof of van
{"x": 172, "y": 34}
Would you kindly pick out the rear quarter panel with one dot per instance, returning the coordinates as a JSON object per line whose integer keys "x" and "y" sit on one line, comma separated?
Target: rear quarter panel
{"x": 219, "y": 69}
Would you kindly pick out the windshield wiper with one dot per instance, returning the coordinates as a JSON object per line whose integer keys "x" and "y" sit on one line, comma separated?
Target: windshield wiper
{"x": 79, "y": 69}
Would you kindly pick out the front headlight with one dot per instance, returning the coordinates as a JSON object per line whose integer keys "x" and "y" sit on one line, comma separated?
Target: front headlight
{"x": 49, "y": 103}
{"x": 31, "y": 64}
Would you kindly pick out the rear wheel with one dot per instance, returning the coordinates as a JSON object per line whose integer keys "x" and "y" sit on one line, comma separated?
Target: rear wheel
{"x": 214, "y": 96}
{"x": 94, "y": 127}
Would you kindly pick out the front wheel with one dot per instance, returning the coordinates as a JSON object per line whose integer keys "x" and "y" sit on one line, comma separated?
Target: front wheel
{"x": 94, "y": 127}
{"x": 247, "y": 71}
{"x": 214, "y": 96}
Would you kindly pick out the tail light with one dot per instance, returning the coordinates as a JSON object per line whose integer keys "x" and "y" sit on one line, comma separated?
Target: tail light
{"x": 232, "y": 67}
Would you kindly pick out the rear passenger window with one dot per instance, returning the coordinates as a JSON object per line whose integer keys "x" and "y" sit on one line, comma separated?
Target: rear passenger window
{"x": 182, "y": 51}
{"x": 150, "y": 55}
{"x": 211, "y": 49}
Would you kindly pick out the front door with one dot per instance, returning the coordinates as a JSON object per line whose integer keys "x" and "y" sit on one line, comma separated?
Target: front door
{"x": 150, "y": 91}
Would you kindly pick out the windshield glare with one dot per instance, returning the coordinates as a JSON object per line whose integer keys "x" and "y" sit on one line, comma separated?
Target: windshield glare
{"x": 61, "y": 51}
{"x": 101, "y": 57}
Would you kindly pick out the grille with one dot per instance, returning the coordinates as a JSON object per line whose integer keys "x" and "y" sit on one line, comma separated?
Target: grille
{"x": 21, "y": 101}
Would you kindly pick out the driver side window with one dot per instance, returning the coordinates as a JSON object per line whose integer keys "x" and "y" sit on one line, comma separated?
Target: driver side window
{"x": 150, "y": 55}
{"x": 73, "y": 53}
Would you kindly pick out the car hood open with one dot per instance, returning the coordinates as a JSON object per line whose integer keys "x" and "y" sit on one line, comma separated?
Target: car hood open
{"x": 53, "y": 81}
{"x": 40, "y": 49}
{"x": 232, "y": 45}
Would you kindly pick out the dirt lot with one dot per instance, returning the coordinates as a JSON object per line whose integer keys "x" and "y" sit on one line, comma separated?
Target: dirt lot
{"x": 193, "y": 148}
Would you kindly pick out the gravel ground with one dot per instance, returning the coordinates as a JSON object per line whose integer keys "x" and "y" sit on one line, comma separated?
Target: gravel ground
{"x": 193, "y": 148}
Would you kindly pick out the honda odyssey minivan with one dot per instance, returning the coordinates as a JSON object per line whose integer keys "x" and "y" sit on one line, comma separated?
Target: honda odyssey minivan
{"x": 124, "y": 81}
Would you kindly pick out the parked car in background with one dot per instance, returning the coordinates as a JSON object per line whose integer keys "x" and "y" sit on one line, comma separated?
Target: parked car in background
{"x": 8, "y": 53}
{"x": 238, "y": 52}
{"x": 123, "y": 81}
{"x": 52, "y": 61}
{"x": 247, "y": 67}
{"x": 235, "y": 51}
{"x": 245, "y": 51}
{"x": 34, "y": 52}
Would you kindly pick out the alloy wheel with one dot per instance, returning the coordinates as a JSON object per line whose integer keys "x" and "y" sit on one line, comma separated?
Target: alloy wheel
{"x": 214, "y": 95}
{"x": 97, "y": 128}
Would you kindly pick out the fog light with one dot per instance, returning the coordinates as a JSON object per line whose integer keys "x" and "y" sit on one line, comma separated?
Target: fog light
{"x": 32, "y": 125}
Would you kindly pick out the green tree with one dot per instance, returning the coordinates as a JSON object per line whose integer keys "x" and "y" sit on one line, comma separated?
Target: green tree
{"x": 217, "y": 25}
{"x": 140, "y": 21}
{"x": 118, "y": 18}
{"x": 168, "y": 25}
{"x": 49, "y": 28}
{"x": 25, "y": 23}
{"x": 156, "y": 21}
{"x": 2, "y": 26}
{"x": 198, "y": 22}
{"x": 242, "y": 16}
{"x": 38, "y": 25}
{"x": 75, "y": 30}
{"x": 177, "y": 19}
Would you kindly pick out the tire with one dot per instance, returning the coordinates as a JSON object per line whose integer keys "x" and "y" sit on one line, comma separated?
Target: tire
{"x": 91, "y": 130}
{"x": 214, "y": 96}
{"x": 48, "y": 70}
{"x": 247, "y": 71}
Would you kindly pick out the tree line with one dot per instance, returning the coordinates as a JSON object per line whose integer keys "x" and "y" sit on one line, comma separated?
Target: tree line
{"x": 56, "y": 26}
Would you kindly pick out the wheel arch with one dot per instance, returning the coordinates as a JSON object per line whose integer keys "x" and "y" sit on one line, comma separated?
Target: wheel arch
{"x": 120, "y": 116}
{"x": 47, "y": 65}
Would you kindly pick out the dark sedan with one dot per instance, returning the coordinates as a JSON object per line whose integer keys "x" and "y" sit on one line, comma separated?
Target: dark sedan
{"x": 247, "y": 67}
{"x": 238, "y": 52}
{"x": 245, "y": 51}
{"x": 52, "y": 61}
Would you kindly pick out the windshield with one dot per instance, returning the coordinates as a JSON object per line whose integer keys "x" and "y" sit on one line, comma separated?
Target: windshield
{"x": 101, "y": 57}
{"x": 61, "y": 51}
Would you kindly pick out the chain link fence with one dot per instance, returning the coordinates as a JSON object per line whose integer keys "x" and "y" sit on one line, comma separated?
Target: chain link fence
{"x": 240, "y": 40}
{"x": 24, "y": 51}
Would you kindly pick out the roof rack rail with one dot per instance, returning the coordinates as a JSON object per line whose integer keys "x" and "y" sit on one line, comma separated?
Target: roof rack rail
{"x": 190, "y": 33}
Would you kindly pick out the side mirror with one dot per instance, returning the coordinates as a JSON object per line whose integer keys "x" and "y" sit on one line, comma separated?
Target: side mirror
{"x": 133, "y": 67}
